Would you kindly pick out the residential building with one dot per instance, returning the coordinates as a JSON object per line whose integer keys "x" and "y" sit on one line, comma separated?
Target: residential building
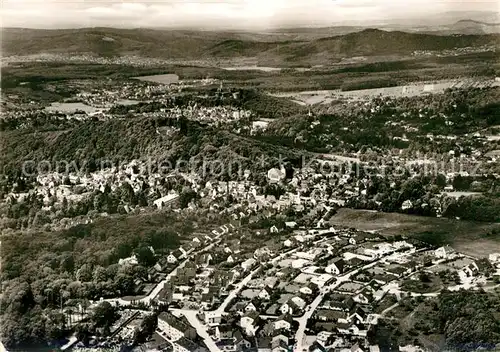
{"x": 335, "y": 266}
{"x": 265, "y": 294}
{"x": 289, "y": 307}
{"x": 249, "y": 322}
{"x": 283, "y": 322}
{"x": 224, "y": 332}
{"x": 445, "y": 252}
{"x": 166, "y": 201}
{"x": 309, "y": 289}
{"x": 213, "y": 318}
{"x": 250, "y": 307}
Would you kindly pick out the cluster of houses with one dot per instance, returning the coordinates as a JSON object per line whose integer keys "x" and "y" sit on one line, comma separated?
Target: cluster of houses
{"x": 253, "y": 297}
{"x": 265, "y": 313}
{"x": 55, "y": 188}
{"x": 179, "y": 333}
{"x": 311, "y": 188}
{"x": 272, "y": 302}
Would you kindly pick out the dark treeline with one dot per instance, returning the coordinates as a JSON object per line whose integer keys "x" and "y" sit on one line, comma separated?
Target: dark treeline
{"x": 467, "y": 320}
{"x": 42, "y": 271}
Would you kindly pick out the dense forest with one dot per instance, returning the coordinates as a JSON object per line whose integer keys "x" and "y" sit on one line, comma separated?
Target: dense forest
{"x": 391, "y": 122}
{"x": 468, "y": 320}
{"x": 43, "y": 270}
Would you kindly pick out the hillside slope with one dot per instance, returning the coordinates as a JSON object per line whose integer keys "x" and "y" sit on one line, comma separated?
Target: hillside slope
{"x": 198, "y": 44}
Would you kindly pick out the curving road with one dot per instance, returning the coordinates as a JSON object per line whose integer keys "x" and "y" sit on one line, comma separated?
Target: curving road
{"x": 300, "y": 335}
{"x": 154, "y": 293}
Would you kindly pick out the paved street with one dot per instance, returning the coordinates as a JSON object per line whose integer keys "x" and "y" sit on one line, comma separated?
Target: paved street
{"x": 200, "y": 329}
{"x": 236, "y": 290}
{"x": 300, "y": 335}
{"x": 154, "y": 293}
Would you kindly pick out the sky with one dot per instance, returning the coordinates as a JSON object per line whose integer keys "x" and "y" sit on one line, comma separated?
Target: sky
{"x": 234, "y": 14}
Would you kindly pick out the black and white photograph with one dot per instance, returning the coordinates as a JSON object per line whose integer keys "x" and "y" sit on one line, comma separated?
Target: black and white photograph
{"x": 250, "y": 176}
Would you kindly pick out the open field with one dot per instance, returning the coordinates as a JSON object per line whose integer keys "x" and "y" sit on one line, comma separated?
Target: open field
{"x": 327, "y": 96}
{"x": 465, "y": 236}
{"x": 315, "y": 85}
{"x": 70, "y": 107}
{"x": 164, "y": 79}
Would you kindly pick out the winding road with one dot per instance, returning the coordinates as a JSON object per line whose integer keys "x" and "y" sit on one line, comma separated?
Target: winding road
{"x": 159, "y": 286}
{"x": 300, "y": 335}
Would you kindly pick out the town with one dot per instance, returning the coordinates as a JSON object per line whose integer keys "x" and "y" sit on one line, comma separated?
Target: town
{"x": 277, "y": 275}
{"x": 175, "y": 180}
{"x": 317, "y": 289}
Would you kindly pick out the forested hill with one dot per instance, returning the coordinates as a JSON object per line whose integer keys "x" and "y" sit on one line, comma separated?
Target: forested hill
{"x": 170, "y": 44}
{"x": 92, "y": 143}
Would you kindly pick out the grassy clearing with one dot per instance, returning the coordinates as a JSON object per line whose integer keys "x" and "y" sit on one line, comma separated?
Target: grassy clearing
{"x": 466, "y": 236}
{"x": 414, "y": 284}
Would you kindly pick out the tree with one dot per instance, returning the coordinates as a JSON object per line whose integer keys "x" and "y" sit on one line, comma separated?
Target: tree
{"x": 99, "y": 274}
{"x": 64, "y": 205}
{"x": 103, "y": 315}
{"x": 441, "y": 180}
{"x": 145, "y": 256}
{"x": 84, "y": 274}
{"x": 124, "y": 283}
{"x": 424, "y": 277}
{"x": 186, "y": 197}
{"x": 147, "y": 328}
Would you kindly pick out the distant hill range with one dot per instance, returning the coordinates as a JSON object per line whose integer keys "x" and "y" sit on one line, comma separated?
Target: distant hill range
{"x": 291, "y": 45}
{"x": 461, "y": 27}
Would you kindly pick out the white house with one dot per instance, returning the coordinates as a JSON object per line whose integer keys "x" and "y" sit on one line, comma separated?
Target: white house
{"x": 248, "y": 264}
{"x": 290, "y": 224}
{"x": 299, "y": 302}
{"x": 286, "y": 308}
{"x": 264, "y": 294}
{"x": 249, "y": 322}
{"x": 309, "y": 289}
{"x": 365, "y": 296}
{"x": 128, "y": 261}
{"x": 212, "y": 318}
{"x": 335, "y": 266}
{"x": 288, "y": 243}
{"x": 171, "y": 259}
{"x": 300, "y": 263}
{"x": 283, "y": 322}
{"x": 290, "y": 307}
{"x": 321, "y": 280}
{"x": 196, "y": 240}
{"x": 494, "y": 258}
{"x": 445, "y": 252}
{"x": 407, "y": 204}
{"x": 300, "y": 238}
{"x": 250, "y": 307}
{"x": 323, "y": 337}
{"x": 276, "y": 175}
{"x": 166, "y": 200}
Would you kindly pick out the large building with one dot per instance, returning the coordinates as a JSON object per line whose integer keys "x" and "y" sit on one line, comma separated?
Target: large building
{"x": 175, "y": 328}
{"x": 276, "y": 175}
{"x": 166, "y": 201}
